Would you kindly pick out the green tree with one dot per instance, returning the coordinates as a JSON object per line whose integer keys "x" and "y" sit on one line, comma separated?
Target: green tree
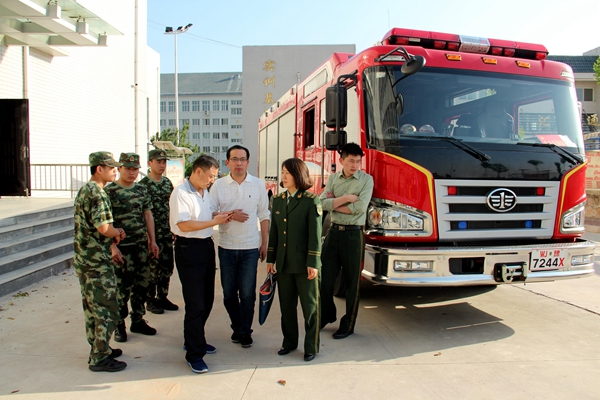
{"x": 170, "y": 135}
{"x": 597, "y": 70}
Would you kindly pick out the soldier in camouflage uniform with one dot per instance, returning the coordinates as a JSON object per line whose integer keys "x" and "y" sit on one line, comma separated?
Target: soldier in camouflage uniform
{"x": 132, "y": 212}
{"x": 92, "y": 262}
{"x": 159, "y": 189}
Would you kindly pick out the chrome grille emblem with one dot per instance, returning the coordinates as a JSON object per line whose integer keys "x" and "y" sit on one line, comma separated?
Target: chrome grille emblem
{"x": 501, "y": 200}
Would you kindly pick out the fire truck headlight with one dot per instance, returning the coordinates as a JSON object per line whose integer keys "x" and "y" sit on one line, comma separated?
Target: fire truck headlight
{"x": 573, "y": 220}
{"x": 394, "y": 218}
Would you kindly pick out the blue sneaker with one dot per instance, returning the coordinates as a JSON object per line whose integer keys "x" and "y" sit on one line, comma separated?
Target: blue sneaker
{"x": 198, "y": 366}
{"x": 210, "y": 349}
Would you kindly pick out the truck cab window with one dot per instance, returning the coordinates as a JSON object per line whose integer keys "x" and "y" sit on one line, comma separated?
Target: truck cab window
{"x": 309, "y": 128}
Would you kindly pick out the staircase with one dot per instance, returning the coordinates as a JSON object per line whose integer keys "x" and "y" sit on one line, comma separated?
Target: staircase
{"x": 34, "y": 245}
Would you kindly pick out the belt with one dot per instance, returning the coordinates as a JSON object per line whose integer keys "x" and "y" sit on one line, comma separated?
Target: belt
{"x": 346, "y": 227}
{"x": 183, "y": 239}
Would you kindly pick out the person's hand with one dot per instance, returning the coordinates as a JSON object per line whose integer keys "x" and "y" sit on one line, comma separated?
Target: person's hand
{"x": 116, "y": 254}
{"x": 153, "y": 248}
{"x": 262, "y": 252}
{"x": 222, "y": 218}
{"x": 240, "y": 216}
{"x": 351, "y": 198}
{"x": 120, "y": 236}
{"x": 312, "y": 273}
{"x": 271, "y": 268}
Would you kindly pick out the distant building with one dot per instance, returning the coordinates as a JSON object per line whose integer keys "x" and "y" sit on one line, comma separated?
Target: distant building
{"x": 211, "y": 104}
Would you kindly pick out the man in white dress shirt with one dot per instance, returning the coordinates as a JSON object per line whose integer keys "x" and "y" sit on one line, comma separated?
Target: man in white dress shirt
{"x": 192, "y": 221}
{"x": 240, "y": 242}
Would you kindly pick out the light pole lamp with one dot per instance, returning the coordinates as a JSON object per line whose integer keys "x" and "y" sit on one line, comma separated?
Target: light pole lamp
{"x": 169, "y": 31}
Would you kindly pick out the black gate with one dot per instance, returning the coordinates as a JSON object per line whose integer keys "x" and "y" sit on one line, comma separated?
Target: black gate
{"x": 14, "y": 147}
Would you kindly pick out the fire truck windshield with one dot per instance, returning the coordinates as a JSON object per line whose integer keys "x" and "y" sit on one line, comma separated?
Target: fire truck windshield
{"x": 483, "y": 109}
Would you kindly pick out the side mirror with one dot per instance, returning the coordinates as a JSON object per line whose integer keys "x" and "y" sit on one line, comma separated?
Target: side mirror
{"x": 335, "y": 95}
{"x": 413, "y": 65}
{"x": 335, "y": 140}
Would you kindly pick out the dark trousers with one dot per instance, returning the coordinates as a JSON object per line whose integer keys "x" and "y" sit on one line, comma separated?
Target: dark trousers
{"x": 345, "y": 250}
{"x": 290, "y": 287}
{"x": 195, "y": 261}
{"x": 238, "y": 279}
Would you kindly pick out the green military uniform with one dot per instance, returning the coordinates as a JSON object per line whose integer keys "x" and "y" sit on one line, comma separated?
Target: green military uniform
{"x": 93, "y": 264}
{"x": 161, "y": 268}
{"x": 294, "y": 245}
{"x": 133, "y": 276}
{"x": 344, "y": 245}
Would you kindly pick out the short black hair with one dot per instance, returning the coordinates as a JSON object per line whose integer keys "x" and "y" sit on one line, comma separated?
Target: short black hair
{"x": 351, "y": 149}
{"x": 93, "y": 169}
{"x": 205, "y": 162}
{"x": 238, "y": 147}
{"x": 299, "y": 171}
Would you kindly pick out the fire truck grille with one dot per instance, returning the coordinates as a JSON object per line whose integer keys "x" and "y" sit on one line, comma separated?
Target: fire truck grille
{"x": 472, "y": 212}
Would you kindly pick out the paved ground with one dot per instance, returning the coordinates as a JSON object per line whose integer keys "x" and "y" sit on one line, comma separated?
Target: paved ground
{"x": 535, "y": 341}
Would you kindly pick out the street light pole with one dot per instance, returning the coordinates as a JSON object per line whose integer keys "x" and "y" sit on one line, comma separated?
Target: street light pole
{"x": 169, "y": 31}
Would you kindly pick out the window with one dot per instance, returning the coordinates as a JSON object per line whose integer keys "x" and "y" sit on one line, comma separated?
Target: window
{"x": 224, "y": 105}
{"x": 215, "y": 105}
{"x": 206, "y": 122}
{"x": 163, "y": 106}
{"x": 171, "y": 106}
{"x": 215, "y": 149}
{"x": 585, "y": 94}
{"x": 309, "y": 128}
{"x": 223, "y": 163}
{"x": 205, "y": 135}
{"x": 185, "y": 106}
{"x": 223, "y": 149}
{"x": 196, "y": 121}
{"x": 224, "y": 135}
{"x": 172, "y": 122}
{"x": 206, "y": 149}
{"x": 236, "y": 102}
{"x": 196, "y": 135}
{"x": 205, "y": 105}
{"x": 215, "y": 135}
{"x": 236, "y": 141}
{"x": 224, "y": 121}
{"x": 236, "y": 127}
{"x": 195, "y": 105}
{"x": 236, "y": 111}
{"x": 184, "y": 122}
{"x": 215, "y": 121}
{"x": 163, "y": 122}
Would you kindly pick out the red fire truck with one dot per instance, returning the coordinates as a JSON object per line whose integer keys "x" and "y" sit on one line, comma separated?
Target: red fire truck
{"x": 476, "y": 151}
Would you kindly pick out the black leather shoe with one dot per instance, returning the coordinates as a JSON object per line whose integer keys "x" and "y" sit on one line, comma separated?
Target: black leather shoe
{"x": 325, "y": 323}
{"x": 121, "y": 333}
{"x": 114, "y": 353}
{"x": 342, "y": 334}
{"x": 309, "y": 357}
{"x": 283, "y": 352}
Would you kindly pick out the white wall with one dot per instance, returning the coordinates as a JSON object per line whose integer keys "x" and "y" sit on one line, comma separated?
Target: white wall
{"x": 85, "y": 102}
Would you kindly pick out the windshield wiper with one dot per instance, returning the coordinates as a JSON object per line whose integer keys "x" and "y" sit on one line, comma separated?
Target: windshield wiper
{"x": 480, "y": 155}
{"x": 566, "y": 154}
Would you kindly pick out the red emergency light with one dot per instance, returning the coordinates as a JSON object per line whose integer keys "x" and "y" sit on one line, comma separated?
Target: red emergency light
{"x": 467, "y": 44}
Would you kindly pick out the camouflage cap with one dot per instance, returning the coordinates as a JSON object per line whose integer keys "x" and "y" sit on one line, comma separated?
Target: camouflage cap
{"x": 157, "y": 154}
{"x": 130, "y": 160}
{"x": 103, "y": 158}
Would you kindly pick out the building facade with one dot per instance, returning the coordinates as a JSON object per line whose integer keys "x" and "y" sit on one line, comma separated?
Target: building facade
{"x": 88, "y": 83}
{"x": 210, "y": 104}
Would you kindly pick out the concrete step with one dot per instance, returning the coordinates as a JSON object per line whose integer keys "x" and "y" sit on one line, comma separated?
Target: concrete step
{"x": 16, "y": 280}
{"x": 14, "y": 232}
{"x": 36, "y": 216}
{"x": 26, "y": 242}
{"x": 20, "y": 260}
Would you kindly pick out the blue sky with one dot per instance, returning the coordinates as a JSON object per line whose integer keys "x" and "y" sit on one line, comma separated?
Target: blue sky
{"x": 221, "y": 28}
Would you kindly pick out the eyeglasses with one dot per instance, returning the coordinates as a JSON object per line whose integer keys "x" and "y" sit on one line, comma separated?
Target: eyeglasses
{"x": 235, "y": 159}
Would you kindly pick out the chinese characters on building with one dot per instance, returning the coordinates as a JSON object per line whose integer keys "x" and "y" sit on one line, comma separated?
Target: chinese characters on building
{"x": 269, "y": 66}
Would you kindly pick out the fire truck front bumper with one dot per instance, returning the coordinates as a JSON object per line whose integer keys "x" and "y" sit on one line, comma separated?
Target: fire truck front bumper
{"x": 478, "y": 265}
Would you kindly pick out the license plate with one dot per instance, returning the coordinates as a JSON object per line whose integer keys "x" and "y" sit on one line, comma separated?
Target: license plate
{"x": 547, "y": 259}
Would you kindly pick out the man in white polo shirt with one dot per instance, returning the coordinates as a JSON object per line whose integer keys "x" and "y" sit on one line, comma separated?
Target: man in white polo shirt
{"x": 191, "y": 220}
{"x": 240, "y": 242}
